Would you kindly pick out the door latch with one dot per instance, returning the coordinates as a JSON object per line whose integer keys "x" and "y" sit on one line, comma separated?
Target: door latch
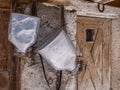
{"x": 82, "y": 65}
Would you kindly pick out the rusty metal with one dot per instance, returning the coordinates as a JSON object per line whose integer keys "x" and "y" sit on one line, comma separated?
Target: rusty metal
{"x": 101, "y": 7}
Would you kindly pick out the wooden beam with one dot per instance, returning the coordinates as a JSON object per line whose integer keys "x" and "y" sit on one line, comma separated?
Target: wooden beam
{"x": 102, "y": 1}
{"x": 106, "y": 1}
{"x": 24, "y": 1}
{"x": 5, "y": 9}
{"x": 115, "y": 3}
{"x": 5, "y": 4}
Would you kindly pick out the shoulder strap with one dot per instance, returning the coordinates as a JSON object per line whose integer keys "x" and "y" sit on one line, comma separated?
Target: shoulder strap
{"x": 13, "y": 5}
{"x": 44, "y": 71}
{"x": 62, "y": 17}
{"x": 59, "y": 73}
{"x": 33, "y": 9}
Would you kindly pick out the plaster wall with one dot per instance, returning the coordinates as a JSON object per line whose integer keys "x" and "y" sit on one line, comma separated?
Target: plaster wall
{"x": 115, "y": 55}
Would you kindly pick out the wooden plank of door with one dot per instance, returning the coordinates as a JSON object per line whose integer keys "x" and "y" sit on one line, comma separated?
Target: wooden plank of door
{"x": 92, "y": 68}
{"x": 97, "y": 54}
{"x": 83, "y": 83}
{"x": 106, "y": 54}
{"x": 96, "y": 44}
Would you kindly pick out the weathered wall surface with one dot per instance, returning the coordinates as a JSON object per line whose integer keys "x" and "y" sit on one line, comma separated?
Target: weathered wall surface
{"x": 32, "y": 77}
{"x": 115, "y": 55}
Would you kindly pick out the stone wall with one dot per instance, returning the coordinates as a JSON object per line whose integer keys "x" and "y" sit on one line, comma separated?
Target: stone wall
{"x": 32, "y": 77}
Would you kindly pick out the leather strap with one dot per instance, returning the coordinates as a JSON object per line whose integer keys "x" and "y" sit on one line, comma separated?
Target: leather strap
{"x": 59, "y": 73}
{"x": 33, "y": 10}
{"x": 59, "y": 78}
{"x": 13, "y": 5}
{"x": 43, "y": 67}
{"x": 55, "y": 32}
{"x": 59, "y": 29}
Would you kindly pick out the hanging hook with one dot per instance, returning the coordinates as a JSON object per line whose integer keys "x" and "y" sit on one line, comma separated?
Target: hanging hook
{"x": 101, "y": 7}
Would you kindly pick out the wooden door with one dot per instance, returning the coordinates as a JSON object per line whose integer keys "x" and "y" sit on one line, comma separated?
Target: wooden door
{"x": 93, "y": 44}
{"x": 7, "y": 61}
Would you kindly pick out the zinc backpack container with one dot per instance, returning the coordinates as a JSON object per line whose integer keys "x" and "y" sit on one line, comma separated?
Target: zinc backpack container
{"x": 60, "y": 53}
{"x": 23, "y": 31}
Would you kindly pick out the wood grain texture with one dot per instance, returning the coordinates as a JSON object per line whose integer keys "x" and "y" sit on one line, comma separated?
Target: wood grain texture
{"x": 8, "y": 77}
{"x": 4, "y": 58}
{"x": 96, "y": 54}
